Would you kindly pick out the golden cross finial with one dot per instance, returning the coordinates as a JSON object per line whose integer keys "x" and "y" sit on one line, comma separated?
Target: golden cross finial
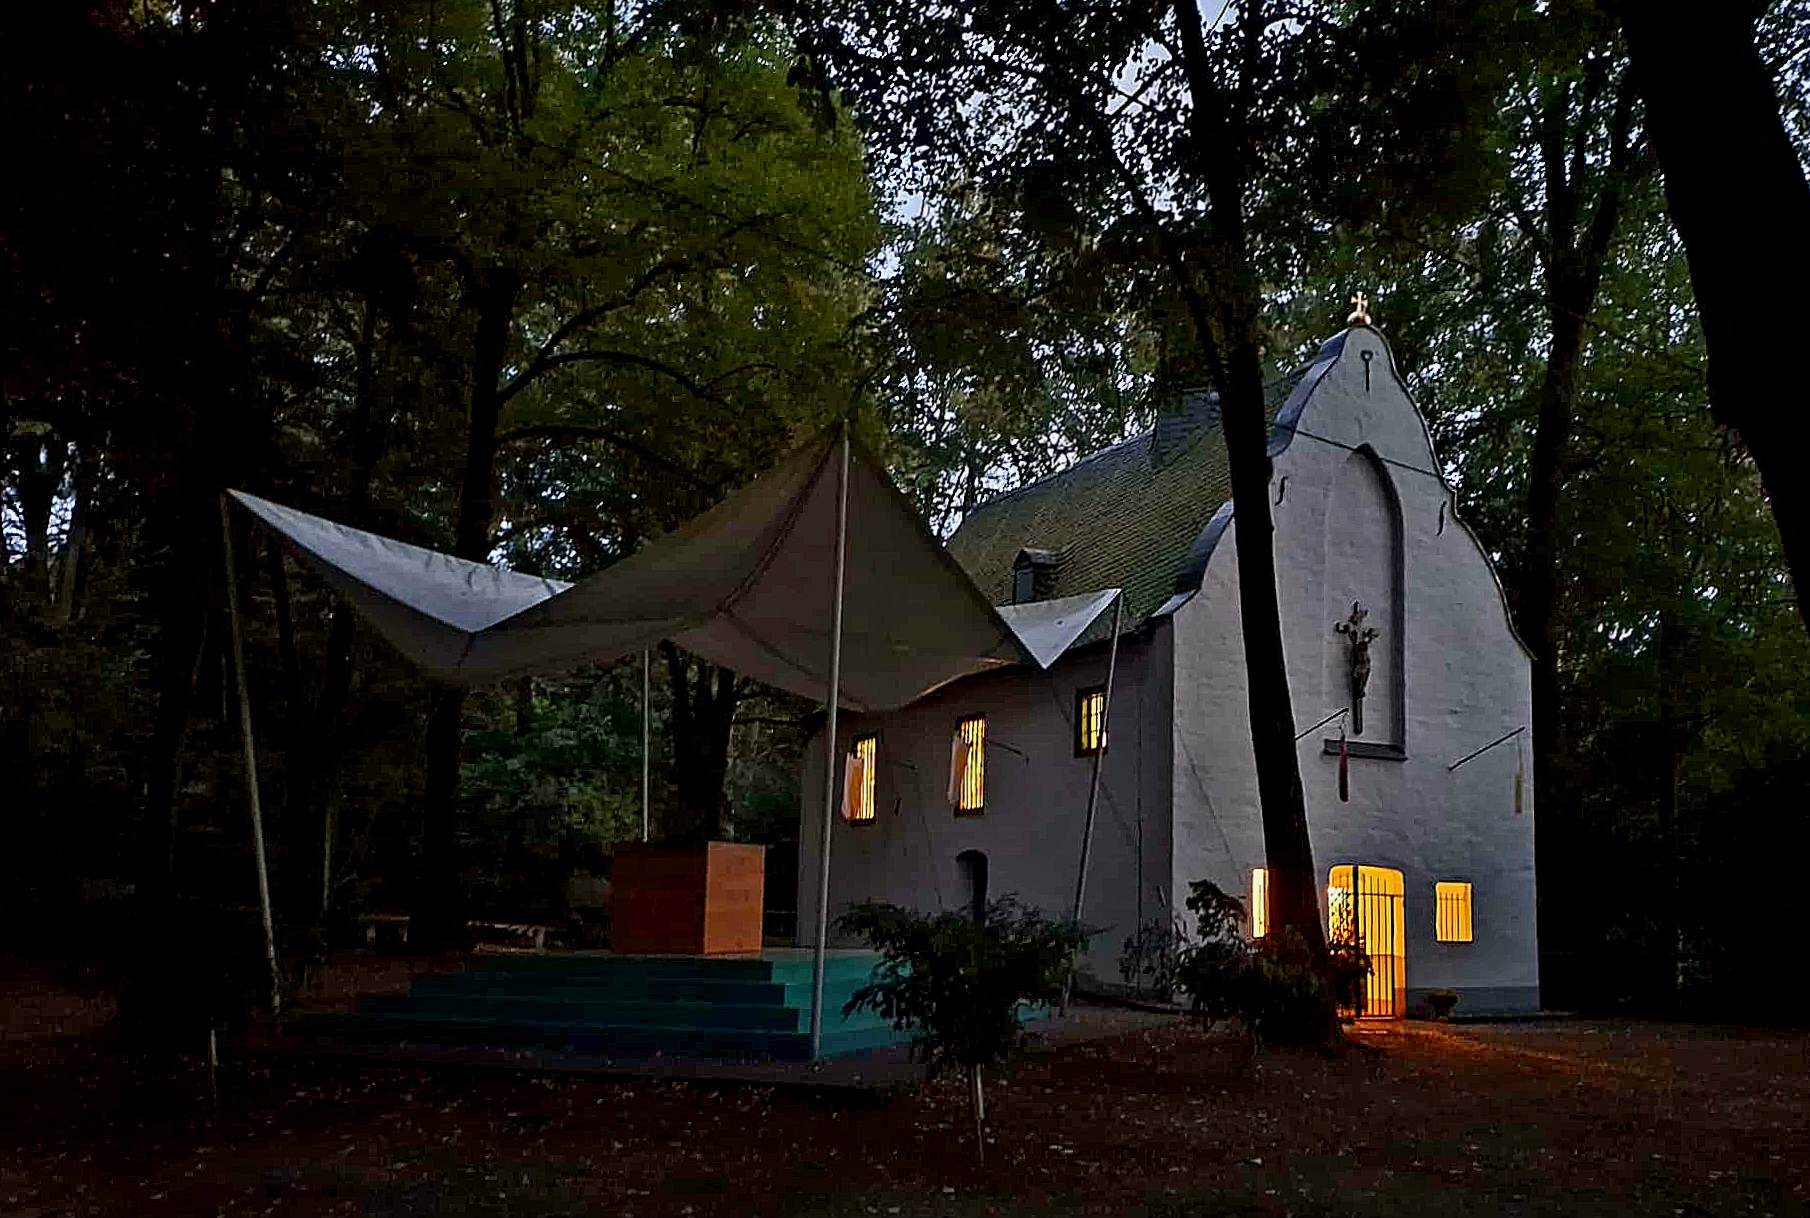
{"x": 1360, "y": 310}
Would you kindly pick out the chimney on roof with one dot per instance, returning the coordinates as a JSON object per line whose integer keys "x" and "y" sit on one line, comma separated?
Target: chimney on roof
{"x": 1180, "y": 419}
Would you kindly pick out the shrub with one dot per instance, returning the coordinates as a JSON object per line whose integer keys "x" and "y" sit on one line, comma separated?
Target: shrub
{"x": 956, "y": 984}
{"x": 1349, "y": 968}
{"x": 1215, "y": 970}
{"x": 1151, "y": 958}
{"x": 1289, "y": 1001}
{"x": 1274, "y": 989}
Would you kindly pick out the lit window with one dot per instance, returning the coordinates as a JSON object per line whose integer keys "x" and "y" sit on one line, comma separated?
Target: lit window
{"x": 1452, "y": 912}
{"x": 1341, "y": 908}
{"x": 858, "y": 792}
{"x": 1364, "y": 906}
{"x": 1260, "y": 902}
{"x": 1090, "y": 721}
{"x": 968, "y": 771}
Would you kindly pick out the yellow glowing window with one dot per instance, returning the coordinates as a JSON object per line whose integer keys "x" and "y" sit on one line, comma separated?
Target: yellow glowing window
{"x": 1260, "y": 902}
{"x": 1452, "y": 912}
{"x": 858, "y": 799}
{"x": 968, "y": 779}
{"x": 1090, "y": 722}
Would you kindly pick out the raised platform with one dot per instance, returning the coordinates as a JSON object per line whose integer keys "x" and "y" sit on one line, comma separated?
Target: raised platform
{"x": 609, "y": 1007}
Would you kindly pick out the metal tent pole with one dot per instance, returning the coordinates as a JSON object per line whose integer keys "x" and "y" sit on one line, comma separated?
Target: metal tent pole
{"x": 829, "y": 755}
{"x": 1093, "y": 786}
{"x": 645, "y": 799}
{"x": 251, "y": 756}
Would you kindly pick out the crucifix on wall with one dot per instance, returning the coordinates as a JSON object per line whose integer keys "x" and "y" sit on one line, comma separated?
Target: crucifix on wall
{"x": 1358, "y": 638}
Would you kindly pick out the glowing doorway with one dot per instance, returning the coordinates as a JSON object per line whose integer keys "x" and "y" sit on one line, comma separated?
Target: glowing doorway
{"x": 1364, "y": 904}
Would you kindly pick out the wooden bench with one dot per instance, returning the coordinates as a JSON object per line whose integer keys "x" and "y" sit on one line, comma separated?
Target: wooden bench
{"x": 522, "y": 936}
{"x": 392, "y": 930}
{"x": 389, "y": 929}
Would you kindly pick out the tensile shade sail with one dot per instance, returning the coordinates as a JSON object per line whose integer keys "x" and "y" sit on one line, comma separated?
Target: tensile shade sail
{"x": 748, "y": 585}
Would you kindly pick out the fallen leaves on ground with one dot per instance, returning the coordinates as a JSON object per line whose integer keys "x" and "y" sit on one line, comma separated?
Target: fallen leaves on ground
{"x": 1501, "y": 1120}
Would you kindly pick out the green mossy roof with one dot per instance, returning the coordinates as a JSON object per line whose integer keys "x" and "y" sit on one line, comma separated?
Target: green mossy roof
{"x": 1128, "y": 516}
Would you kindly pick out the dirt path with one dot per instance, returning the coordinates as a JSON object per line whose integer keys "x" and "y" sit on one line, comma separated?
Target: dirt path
{"x": 1594, "y": 1119}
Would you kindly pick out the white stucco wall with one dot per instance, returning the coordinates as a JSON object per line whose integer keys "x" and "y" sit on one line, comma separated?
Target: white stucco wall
{"x": 1464, "y": 679}
{"x": 1036, "y": 800}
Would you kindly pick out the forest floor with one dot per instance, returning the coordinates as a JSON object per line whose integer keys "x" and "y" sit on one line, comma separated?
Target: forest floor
{"x": 1576, "y": 1117}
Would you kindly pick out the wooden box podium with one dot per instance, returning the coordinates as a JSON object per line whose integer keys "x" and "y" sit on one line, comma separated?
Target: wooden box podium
{"x": 687, "y": 900}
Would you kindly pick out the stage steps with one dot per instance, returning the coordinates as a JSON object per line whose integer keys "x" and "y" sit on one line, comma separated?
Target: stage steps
{"x": 615, "y": 1007}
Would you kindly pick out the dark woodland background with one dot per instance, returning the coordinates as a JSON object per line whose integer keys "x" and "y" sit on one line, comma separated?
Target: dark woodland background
{"x": 535, "y": 281}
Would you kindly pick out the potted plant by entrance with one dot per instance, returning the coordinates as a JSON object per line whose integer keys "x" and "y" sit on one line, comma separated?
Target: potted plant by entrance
{"x": 679, "y": 898}
{"x": 1441, "y": 1002}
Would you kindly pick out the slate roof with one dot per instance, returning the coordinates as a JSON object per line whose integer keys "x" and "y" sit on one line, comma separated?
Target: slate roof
{"x": 1118, "y": 518}
{"x": 1142, "y": 515}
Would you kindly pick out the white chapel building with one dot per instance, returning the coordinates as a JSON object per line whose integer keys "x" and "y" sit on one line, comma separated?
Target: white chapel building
{"x": 1375, "y": 573}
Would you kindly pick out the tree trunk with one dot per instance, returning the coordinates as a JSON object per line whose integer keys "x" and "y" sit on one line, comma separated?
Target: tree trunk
{"x": 336, "y": 687}
{"x": 1737, "y": 194}
{"x": 186, "y": 594}
{"x": 977, "y": 1102}
{"x": 6, "y": 450}
{"x": 40, "y": 478}
{"x": 515, "y": 857}
{"x": 1226, "y": 328}
{"x": 71, "y": 561}
{"x": 1293, "y": 889}
{"x": 1670, "y": 985}
{"x": 1536, "y": 605}
{"x": 1224, "y": 316}
{"x": 301, "y": 766}
{"x": 704, "y": 697}
{"x": 336, "y": 677}
{"x": 437, "y": 923}
{"x": 182, "y": 652}
{"x": 439, "y": 916}
{"x": 294, "y": 697}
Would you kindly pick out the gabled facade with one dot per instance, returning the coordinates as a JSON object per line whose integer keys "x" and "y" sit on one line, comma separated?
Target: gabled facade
{"x": 1433, "y": 865}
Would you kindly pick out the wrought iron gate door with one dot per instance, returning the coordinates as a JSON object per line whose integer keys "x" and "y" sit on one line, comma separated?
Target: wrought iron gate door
{"x": 1364, "y": 905}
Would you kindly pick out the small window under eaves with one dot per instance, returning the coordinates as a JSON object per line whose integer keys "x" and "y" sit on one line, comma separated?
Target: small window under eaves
{"x": 1034, "y": 576}
{"x": 1024, "y": 584}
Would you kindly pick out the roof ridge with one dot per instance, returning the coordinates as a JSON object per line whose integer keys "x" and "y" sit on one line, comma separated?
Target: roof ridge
{"x": 1125, "y": 516}
{"x": 1277, "y": 382}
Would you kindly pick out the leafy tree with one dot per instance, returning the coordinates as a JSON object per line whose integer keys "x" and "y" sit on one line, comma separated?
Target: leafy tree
{"x": 1507, "y": 300}
{"x": 1736, "y": 189}
{"x": 325, "y": 205}
{"x": 145, "y": 269}
{"x": 957, "y": 983}
{"x": 1667, "y": 660}
{"x": 635, "y": 223}
{"x": 548, "y": 785}
{"x": 1181, "y": 141}
{"x": 999, "y": 360}
{"x": 1581, "y": 120}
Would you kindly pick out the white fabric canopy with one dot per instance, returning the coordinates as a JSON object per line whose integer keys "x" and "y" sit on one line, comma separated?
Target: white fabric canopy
{"x": 1049, "y": 628}
{"x": 428, "y": 604}
{"x": 747, "y": 585}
